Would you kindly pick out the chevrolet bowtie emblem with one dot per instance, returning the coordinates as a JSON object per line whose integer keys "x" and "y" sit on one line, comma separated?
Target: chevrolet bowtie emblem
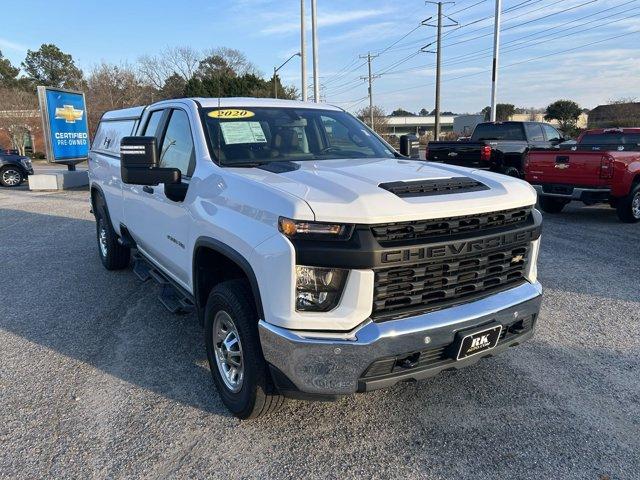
{"x": 517, "y": 259}
{"x": 69, "y": 114}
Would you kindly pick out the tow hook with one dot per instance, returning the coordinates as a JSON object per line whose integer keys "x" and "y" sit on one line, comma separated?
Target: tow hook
{"x": 409, "y": 362}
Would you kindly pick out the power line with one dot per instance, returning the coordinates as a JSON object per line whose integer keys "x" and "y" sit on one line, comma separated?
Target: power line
{"x": 518, "y": 43}
{"x": 531, "y": 59}
{"x": 465, "y": 25}
{"x": 523, "y": 23}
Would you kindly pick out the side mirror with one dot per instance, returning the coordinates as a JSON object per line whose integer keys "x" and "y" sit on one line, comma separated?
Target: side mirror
{"x": 410, "y": 146}
{"x": 139, "y": 163}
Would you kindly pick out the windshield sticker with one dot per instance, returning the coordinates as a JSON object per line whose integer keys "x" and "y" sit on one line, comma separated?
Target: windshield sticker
{"x": 231, "y": 113}
{"x": 242, "y": 132}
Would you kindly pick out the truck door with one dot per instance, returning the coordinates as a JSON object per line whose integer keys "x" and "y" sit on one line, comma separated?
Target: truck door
{"x": 159, "y": 225}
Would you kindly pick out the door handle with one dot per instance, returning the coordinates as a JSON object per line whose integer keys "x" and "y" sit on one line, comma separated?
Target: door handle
{"x": 562, "y": 159}
{"x": 147, "y": 189}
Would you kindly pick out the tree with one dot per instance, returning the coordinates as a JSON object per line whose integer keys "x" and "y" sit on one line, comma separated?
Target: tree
{"x": 248, "y": 85}
{"x": 51, "y": 67}
{"x": 19, "y": 118}
{"x": 380, "y": 122}
{"x": 504, "y": 111}
{"x": 111, "y": 87}
{"x": 423, "y": 112}
{"x": 181, "y": 61}
{"x": 8, "y": 73}
{"x": 226, "y": 60}
{"x": 566, "y": 112}
{"x": 446, "y": 112}
{"x": 400, "y": 112}
{"x": 173, "y": 87}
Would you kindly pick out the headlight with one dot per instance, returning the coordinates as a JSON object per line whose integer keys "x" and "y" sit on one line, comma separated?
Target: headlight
{"x": 531, "y": 272}
{"x": 298, "y": 229}
{"x": 318, "y": 289}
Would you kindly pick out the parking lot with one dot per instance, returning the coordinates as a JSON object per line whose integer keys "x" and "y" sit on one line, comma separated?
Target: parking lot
{"x": 98, "y": 380}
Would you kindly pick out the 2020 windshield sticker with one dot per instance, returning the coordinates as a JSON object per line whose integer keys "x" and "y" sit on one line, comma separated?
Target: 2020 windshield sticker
{"x": 231, "y": 113}
{"x": 242, "y": 132}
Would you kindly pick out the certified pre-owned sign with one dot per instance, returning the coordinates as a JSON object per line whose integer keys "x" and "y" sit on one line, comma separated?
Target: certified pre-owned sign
{"x": 64, "y": 119}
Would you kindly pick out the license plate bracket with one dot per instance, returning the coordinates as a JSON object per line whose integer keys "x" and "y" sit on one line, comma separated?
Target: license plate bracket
{"x": 478, "y": 341}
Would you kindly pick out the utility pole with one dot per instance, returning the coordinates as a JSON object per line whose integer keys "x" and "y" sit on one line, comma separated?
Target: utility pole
{"x": 436, "y": 135}
{"x": 439, "y": 27}
{"x": 370, "y": 78}
{"x": 303, "y": 50}
{"x": 496, "y": 54}
{"x": 314, "y": 39}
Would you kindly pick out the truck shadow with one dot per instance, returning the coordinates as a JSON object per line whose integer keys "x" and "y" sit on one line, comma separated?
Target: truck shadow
{"x": 63, "y": 299}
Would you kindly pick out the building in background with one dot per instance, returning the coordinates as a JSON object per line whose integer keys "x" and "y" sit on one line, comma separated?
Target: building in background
{"x": 539, "y": 117}
{"x": 615, "y": 115}
{"x": 463, "y": 125}
{"x": 21, "y": 129}
{"x": 418, "y": 125}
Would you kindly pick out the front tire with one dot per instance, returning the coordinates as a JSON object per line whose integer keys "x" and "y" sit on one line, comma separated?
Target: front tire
{"x": 237, "y": 365}
{"x": 113, "y": 255}
{"x": 10, "y": 176}
{"x": 628, "y": 208}
{"x": 552, "y": 205}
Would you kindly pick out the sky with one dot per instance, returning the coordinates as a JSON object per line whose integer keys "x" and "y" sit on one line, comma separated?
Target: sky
{"x": 584, "y": 50}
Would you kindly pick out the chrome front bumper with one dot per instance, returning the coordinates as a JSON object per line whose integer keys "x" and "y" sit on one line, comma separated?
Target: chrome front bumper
{"x": 333, "y": 364}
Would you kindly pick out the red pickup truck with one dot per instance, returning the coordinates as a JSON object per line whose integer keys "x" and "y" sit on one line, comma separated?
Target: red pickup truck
{"x": 603, "y": 166}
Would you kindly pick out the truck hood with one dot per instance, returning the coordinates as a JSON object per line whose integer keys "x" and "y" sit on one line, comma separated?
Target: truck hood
{"x": 347, "y": 190}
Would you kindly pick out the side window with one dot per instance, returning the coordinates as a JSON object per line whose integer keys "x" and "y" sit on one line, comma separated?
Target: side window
{"x": 109, "y": 133}
{"x": 340, "y": 138}
{"x": 177, "y": 149}
{"x": 151, "y": 129}
{"x": 534, "y": 132}
{"x": 552, "y": 133}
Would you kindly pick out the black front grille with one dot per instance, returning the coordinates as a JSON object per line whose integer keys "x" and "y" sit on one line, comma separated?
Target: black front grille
{"x": 425, "y": 188}
{"x": 425, "y": 286}
{"x": 403, "y": 232}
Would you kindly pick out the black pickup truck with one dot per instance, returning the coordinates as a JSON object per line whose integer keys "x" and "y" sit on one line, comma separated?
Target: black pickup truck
{"x": 499, "y": 147}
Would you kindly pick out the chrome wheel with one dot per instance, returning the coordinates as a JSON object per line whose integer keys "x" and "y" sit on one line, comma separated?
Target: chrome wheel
{"x": 102, "y": 238}
{"x": 635, "y": 205}
{"x": 228, "y": 350}
{"x": 11, "y": 177}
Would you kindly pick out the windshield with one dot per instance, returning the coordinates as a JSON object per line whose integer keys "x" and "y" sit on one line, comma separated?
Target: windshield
{"x": 251, "y": 136}
{"x": 498, "y": 131}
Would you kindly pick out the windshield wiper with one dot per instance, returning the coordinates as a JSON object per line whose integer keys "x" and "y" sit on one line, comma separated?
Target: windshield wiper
{"x": 245, "y": 164}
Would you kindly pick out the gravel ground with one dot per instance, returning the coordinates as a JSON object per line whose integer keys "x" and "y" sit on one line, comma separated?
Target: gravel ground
{"x": 97, "y": 380}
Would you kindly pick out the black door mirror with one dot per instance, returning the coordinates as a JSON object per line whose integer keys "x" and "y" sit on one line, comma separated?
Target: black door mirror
{"x": 139, "y": 163}
{"x": 410, "y": 146}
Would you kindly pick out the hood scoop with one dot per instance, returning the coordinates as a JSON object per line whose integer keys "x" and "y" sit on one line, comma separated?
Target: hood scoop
{"x": 429, "y": 188}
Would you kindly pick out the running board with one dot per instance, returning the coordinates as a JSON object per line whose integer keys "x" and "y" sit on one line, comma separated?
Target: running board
{"x": 172, "y": 296}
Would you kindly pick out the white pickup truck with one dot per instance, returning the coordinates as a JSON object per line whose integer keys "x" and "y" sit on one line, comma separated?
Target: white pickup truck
{"x": 320, "y": 261}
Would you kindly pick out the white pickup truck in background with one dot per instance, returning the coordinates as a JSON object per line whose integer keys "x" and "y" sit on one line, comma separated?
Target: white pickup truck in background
{"x": 319, "y": 260}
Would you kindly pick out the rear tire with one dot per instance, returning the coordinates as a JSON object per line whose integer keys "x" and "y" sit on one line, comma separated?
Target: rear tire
{"x": 11, "y": 176}
{"x": 552, "y": 205}
{"x": 628, "y": 208}
{"x": 237, "y": 365}
{"x": 113, "y": 255}
{"x": 512, "y": 172}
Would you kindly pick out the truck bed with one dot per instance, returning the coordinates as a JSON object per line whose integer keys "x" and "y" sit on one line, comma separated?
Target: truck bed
{"x": 567, "y": 167}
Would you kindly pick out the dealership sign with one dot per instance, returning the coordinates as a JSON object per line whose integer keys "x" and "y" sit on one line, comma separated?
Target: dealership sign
{"x": 64, "y": 120}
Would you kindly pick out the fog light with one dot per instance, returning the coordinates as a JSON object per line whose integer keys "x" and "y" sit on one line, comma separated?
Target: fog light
{"x": 318, "y": 289}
